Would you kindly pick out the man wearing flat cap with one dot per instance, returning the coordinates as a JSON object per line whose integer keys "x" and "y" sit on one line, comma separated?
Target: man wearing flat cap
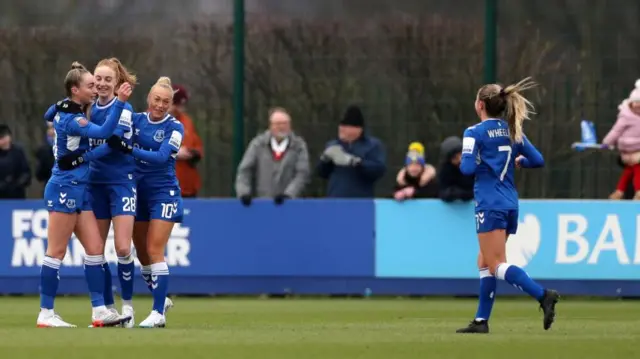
{"x": 353, "y": 162}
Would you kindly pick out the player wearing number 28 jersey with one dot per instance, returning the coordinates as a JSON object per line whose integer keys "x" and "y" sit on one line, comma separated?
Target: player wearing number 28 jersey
{"x": 491, "y": 150}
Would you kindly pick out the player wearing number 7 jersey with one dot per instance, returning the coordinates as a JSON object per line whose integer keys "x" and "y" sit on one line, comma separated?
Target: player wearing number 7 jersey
{"x": 491, "y": 150}
{"x": 157, "y": 138}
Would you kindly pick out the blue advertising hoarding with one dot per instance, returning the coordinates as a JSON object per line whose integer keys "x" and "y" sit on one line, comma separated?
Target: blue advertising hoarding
{"x": 559, "y": 240}
{"x": 353, "y": 247}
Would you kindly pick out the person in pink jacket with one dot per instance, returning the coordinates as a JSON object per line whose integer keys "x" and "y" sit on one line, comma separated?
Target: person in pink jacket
{"x": 625, "y": 135}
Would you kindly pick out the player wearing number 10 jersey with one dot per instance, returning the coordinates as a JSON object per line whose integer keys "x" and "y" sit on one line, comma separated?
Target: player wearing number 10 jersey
{"x": 157, "y": 138}
{"x": 491, "y": 150}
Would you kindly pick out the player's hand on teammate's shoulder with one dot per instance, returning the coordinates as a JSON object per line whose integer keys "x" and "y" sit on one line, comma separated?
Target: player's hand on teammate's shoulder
{"x": 124, "y": 91}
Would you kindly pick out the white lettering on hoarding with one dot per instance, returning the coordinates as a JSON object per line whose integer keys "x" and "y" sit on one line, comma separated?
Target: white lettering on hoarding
{"x": 29, "y": 231}
{"x": 576, "y": 236}
{"x": 572, "y": 230}
{"x": 611, "y": 230}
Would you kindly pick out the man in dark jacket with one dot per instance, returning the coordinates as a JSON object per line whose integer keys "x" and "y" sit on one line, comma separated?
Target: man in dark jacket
{"x": 15, "y": 174}
{"x": 453, "y": 184}
{"x": 353, "y": 162}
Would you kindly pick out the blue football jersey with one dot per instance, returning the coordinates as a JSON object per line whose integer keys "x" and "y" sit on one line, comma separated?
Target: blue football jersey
{"x": 156, "y": 146}
{"x": 115, "y": 167}
{"x": 71, "y": 135}
{"x": 487, "y": 152}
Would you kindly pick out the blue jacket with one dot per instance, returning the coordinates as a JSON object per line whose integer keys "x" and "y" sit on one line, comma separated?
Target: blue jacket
{"x": 358, "y": 181}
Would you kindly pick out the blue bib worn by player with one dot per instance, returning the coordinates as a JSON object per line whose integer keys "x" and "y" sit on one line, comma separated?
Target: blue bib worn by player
{"x": 156, "y": 146}
{"x": 488, "y": 152}
{"x": 113, "y": 188}
{"x": 66, "y": 191}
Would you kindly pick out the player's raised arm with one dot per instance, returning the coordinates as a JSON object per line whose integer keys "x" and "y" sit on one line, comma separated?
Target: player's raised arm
{"x": 531, "y": 157}
{"x": 470, "y": 145}
{"x": 83, "y": 127}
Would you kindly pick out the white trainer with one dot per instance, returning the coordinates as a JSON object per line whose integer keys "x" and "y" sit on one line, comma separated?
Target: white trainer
{"x": 168, "y": 304}
{"x": 154, "y": 320}
{"x": 49, "y": 319}
{"x": 103, "y": 317}
{"x": 128, "y": 312}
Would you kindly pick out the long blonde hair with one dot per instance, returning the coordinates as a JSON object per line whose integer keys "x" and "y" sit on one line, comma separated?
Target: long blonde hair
{"x": 509, "y": 102}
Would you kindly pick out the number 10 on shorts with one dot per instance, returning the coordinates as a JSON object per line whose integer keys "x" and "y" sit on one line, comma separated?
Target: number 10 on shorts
{"x": 168, "y": 210}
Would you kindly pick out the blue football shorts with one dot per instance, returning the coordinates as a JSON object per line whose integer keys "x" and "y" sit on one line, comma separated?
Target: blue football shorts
{"x": 66, "y": 198}
{"x": 160, "y": 203}
{"x": 490, "y": 220}
{"x": 112, "y": 200}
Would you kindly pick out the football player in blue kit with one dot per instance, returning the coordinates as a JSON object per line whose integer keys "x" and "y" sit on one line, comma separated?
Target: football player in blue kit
{"x": 112, "y": 184}
{"x": 157, "y": 138}
{"x": 492, "y": 149}
{"x": 67, "y": 200}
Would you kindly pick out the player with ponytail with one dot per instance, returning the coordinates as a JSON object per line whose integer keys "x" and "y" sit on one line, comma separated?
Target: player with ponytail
{"x": 491, "y": 150}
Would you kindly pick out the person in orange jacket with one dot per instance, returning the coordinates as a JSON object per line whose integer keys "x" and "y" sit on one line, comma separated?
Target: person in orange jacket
{"x": 191, "y": 151}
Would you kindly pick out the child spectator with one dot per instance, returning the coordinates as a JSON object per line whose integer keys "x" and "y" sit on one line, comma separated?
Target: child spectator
{"x": 625, "y": 135}
{"x": 417, "y": 178}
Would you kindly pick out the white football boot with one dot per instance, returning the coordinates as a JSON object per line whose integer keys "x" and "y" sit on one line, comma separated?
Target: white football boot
{"x": 128, "y": 312}
{"x": 49, "y": 319}
{"x": 103, "y": 317}
{"x": 154, "y": 320}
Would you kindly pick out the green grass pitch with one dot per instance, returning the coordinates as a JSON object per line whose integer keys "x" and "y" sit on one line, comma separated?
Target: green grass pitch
{"x": 329, "y": 329}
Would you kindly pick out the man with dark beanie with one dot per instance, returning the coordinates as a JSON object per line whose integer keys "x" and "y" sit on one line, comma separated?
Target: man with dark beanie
{"x": 353, "y": 162}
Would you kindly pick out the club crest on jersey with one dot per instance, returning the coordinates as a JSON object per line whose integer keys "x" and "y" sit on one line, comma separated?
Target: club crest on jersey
{"x": 159, "y": 136}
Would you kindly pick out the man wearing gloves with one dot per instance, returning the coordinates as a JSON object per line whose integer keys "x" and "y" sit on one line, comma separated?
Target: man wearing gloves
{"x": 353, "y": 162}
{"x": 276, "y": 163}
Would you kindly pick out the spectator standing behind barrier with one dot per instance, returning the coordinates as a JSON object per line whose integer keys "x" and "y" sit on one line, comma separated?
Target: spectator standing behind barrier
{"x": 355, "y": 161}
{"x": 453, "y": 184}
{"x": 44, "y": 156}
{"x": 625, "y": 135}
{"x": 276, "y": 163}
{"x": 15, "y": 174}
{"x": 190, "y": 152}
{"x": 417, "y": 178}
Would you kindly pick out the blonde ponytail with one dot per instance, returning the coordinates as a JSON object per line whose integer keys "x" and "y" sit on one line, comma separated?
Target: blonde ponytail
{"x": 517, "y": 107}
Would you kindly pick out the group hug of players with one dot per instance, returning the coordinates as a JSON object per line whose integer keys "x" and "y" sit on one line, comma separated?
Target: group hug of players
{"x": 112, "y": 166}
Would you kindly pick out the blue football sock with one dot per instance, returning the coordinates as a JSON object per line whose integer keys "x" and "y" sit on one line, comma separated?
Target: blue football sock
{"x": 125, "y": 275}
{"x": 49, "y": 279}
{"x": 146, "y": 275}
{"x": 487, "y": 294}
{"x": 518, "y": 278}
{"x": 108, "y": 285}
{"x": 94, "y": 273}
{"x": 159, "y": 285}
